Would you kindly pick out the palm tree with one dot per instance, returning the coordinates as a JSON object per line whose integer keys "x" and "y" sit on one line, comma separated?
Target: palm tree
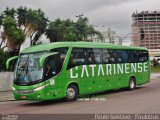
{"x": 1, "y": 19}
{"x": 52, "y": 32}
{"x": 22, "y": 16}
{"x": 55, "y": 31}
{"x": 87, "y": 31}
{"x": 21, "y": 23}
{"x": 67, "y": 30}
{"x": 81, "y": 26}
{"x": 13, "y": 36}
{"x": 10, "y": 12}
{"x": 91, "y": 32}
{"x": 1, "y": 23}
{"x": 42, "y": 24}
{"x": 36, "y": 24}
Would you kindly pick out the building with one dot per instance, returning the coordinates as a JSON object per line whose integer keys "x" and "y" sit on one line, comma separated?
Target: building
{"x": 146, "y": 29}
{"x": 109, "y": 36}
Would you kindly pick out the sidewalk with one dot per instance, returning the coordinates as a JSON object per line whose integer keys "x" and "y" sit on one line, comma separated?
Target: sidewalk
{"x": 6, "y": 96}
{"x": 155, "y": 76}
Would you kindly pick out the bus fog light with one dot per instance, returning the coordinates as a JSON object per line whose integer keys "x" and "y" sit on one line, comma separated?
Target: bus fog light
{"x": 38, "y": 96}
{"x": 52, "y": 82}
{"x": 13, "y": 89}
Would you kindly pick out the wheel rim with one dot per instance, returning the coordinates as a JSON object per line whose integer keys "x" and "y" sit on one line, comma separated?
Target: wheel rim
{"x": 71, "y": 93}
{"x": 132, "y": 84}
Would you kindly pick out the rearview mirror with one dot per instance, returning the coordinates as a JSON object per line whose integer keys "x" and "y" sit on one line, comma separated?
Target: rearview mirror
{"x": 43, "y": 58}
{"x": 8, "y": 63}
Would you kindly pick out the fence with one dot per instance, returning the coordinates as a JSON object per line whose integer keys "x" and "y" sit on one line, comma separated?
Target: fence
{"x": 155, "y": 69}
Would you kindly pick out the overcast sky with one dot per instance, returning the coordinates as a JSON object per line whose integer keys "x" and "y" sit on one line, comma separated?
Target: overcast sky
{"x": 115, "y": 14}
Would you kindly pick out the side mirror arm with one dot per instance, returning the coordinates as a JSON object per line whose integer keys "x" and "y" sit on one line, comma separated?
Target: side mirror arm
{"x": 9, "y": 61}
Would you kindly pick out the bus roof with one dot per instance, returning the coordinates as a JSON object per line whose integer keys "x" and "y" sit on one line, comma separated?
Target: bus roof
{"x": 49, "y": 46}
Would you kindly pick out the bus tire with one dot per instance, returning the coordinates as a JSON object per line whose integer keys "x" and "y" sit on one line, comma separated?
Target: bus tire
{"x": 71, "y": 93}
{"x": 132, "y": 83}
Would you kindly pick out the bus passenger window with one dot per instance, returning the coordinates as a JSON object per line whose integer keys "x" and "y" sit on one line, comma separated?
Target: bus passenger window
{"x": 142, "y": 56}
{"x": 125, "y": 56}
{"x": 145, "y": 56}
{"x": 77, "y": 58}
{"x": 91, "y": 59}
{"x": 61, "y": 51}
{"x": 133, "y": 56}
{"x": 94, "y": 56}
{"x": 119, "y": 56}
{"x": 90, "y": 56}
{"x": 106, "y": 56}
{"x": 97, "y": 56}
{"x": 111, "y": 56}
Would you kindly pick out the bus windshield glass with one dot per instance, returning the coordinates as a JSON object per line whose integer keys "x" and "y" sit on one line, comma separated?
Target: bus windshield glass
{"x": 27, "y": 69}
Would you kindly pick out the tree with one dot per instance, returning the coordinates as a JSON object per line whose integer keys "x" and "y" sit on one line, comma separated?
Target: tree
{"x": 67, "y": 30}
{"x": 22, "y": 17}
{"x": 82, "y": 25}
{"x": 87, "y": 31}
{"x": 13, "y": 36}
{"x": 55, "y": 30}
{"x": 19, "y": 24}
{"x": 1, "y": 37}
{"x": 36, "y": 24}
{"x": 10, "y": 12}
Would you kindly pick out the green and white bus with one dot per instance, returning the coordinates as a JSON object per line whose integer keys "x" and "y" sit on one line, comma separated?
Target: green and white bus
{"x": 69, "y": 69}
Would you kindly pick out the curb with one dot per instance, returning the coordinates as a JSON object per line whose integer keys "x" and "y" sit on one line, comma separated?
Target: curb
{"x": 6, "y": 96}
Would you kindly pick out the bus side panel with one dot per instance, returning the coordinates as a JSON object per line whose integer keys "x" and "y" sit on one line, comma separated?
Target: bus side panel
{"x": 146, "y": 75}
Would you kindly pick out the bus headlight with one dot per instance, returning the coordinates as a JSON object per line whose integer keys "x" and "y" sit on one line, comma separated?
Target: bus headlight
{"x": 40, "y": 88}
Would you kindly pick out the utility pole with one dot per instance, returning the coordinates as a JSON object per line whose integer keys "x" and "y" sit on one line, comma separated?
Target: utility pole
{"x": 79, "y": 16}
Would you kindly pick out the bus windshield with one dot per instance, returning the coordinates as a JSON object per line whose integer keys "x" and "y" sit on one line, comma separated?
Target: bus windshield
{"x": 27, "y": 69}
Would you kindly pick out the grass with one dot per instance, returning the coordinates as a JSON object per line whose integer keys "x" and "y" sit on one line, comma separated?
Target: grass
{"x": 155, "y": 69}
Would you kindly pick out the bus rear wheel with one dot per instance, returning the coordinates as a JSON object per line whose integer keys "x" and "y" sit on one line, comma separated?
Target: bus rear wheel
{"x": 132, "y": 84}
{"x": 72, "y": 93}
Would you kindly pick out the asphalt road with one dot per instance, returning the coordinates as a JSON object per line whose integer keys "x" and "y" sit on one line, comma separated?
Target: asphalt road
{"x": 144, "y": 99}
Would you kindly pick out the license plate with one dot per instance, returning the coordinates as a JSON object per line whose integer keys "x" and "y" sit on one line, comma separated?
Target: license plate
{"x": 23, "y": 97}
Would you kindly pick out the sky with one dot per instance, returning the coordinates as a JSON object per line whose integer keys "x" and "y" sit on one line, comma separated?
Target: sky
{"x": 104, "y": 14}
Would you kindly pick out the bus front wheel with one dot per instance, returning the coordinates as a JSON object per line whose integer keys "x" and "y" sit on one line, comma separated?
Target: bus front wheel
{"x": 72, "y": 93}
{"x": 132, "y": 84}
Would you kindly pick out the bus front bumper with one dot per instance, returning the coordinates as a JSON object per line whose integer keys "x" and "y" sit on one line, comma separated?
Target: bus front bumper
{"x": 40, "y": 95}
{"x": 37, "y": 95}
